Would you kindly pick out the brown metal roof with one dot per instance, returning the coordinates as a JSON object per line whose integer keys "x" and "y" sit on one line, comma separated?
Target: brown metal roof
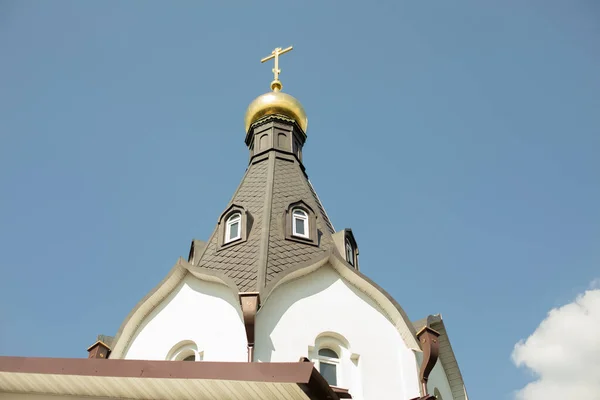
{"x": 272, "y": 181}
{"x": 140, "y": 379}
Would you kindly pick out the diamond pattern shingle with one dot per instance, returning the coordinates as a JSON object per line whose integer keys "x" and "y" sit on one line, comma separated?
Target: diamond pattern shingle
{"x": 290, "y": 185}
{"x": 241, "y": 262}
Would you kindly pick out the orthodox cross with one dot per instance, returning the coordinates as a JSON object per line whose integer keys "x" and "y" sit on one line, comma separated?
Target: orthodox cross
{"x": 276, "y": 84}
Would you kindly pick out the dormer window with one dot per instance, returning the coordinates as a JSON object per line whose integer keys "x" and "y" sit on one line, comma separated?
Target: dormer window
{"x": 233, "y": 229}
{"x": 300, "y": 223}
{"x": 347, "y": 248}
{"x": 349, "y": 253}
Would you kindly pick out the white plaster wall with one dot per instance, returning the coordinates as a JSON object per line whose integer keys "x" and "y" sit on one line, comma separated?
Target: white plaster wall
{"x": 299, "y": 311}
{"x": 437, "y": 379}
{"x": 206, "y": 313}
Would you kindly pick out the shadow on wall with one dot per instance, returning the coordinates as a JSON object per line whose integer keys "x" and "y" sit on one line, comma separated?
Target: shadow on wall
{"x": 304, "y": 287}
{"x": 212, "y": 289}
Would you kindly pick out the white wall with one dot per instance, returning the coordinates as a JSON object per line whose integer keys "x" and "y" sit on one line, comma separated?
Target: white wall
{"x": 299, "y": 311}
{"x": 206, "y": 313}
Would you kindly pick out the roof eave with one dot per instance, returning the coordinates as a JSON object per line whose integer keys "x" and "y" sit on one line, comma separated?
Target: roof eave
{"x": 142, "y": 379}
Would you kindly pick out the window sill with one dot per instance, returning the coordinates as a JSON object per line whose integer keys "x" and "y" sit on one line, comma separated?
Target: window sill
{"x": 341, "y": 392}
{"x": 230, "y": 244}
{"x": 303, "y": 240}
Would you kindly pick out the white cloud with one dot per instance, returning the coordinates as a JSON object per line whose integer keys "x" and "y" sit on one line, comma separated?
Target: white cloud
{"x": 564, "y": 352}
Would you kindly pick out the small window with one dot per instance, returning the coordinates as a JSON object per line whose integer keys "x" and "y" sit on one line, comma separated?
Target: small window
{"x": 185, "y": 351}
{"x": 233, "y": 228}
{"x": 328, "y": 361}
{"x": 300, "y": 223}
{"x": 349, "y": 253}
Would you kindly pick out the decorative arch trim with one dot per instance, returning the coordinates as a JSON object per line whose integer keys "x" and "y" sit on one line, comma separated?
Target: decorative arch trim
{"x": 184, "y": 349}
{"x": 333, "y": 339}
{"x": 389, "y": 307}
{"x": 136, "y": 316}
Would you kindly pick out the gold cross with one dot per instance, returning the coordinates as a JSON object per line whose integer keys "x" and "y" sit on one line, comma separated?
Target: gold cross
{"x": 276, "y": 84}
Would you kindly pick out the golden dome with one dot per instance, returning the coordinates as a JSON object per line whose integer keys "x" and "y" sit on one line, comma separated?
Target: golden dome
{"x": 276, "y": 102}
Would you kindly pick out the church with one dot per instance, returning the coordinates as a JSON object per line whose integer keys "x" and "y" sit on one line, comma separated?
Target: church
{"x": 273, "y": 305}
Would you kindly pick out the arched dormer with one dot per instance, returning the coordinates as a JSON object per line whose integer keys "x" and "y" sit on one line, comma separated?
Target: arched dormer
{"x": 233, "y": 226}
{"x": 346, "y": 245}
{"x": 301, "y": 223}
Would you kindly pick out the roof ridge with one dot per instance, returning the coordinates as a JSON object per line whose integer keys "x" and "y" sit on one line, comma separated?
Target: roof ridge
{"x": 263, "y": 255}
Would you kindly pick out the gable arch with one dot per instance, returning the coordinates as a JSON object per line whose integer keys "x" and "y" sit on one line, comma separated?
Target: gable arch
{"x": 198, "y": 283}
{"x": 387, "y": 304}
{"x": 317, "y": 307}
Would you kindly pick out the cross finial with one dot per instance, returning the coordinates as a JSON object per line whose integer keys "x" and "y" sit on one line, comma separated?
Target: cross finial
{"x": 276, "y": 84}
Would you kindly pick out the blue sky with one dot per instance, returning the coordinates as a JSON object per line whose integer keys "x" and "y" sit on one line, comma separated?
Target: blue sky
{"x": 459, "y": 141}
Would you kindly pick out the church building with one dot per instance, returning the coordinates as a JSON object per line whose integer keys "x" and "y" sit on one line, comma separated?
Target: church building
{"x": 273, "y": 305}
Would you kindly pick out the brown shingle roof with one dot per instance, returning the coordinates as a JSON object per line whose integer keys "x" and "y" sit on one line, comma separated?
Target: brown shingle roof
{"x": 272, "y": 181}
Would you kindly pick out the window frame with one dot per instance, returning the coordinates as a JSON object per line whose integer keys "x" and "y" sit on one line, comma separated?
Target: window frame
{"x": 335, "y": 362}
{"x": 304, "y": 218}
{"x": 346, "y": 236}
{"x": 350, "y": 253}
{"x": 234, "y": 218}
{"x": 346, "y": 362}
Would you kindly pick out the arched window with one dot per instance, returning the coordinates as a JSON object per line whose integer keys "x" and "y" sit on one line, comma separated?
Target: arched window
{"x": 334, "y": 359}
{"x": 328, "y": 365}
{"x": 349, "y": 253}
{"x": 233, "y": 228}
{"x": 185, "y": 351}
{"x": 300, "y": 223}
